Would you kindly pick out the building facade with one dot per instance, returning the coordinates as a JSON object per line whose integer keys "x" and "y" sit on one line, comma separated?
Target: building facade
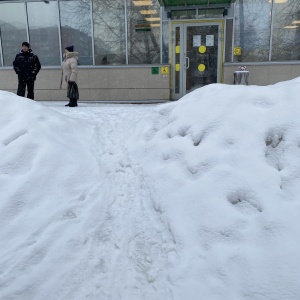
{"x": 151, "y": 49}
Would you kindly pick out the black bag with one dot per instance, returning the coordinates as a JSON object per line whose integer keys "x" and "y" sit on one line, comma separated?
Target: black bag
{"x": 73, "y": 92}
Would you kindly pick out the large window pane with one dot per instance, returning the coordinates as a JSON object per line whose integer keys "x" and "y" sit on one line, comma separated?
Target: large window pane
{"x": 286, "y": 31}
{"x": 109, "y": 32}
{"x": 76, "y": 29}
{"x": 12, "y": 30}
{"x": 143, "y": 32}
{"x": 43, "y": 31}
{"x": 253, "y": 28}
{"x": 228, "y": 40}
{"x": 165, "y": 41}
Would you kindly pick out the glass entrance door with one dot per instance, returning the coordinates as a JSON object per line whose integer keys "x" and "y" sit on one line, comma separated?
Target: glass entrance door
{"x": 196, "y": 56}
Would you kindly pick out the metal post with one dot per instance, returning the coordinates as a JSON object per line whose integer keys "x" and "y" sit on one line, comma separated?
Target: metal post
{"x": 126, "y": 33}
{"x": 233, "y": 30}
{"x": 59, "y": 31}
{"x": 161, "y": 35}
{"x": 271, "y": 33}
{"x": 27, "y": 27}
{"x": 1, "y": 51}
{"x": 92, "y": 29}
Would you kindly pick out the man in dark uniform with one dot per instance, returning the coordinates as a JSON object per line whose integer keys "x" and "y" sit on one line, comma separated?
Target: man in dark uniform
{"x": 26, "y": 66}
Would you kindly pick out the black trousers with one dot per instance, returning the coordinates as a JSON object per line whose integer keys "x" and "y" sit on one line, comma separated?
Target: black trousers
{"x": 22, "y": 87}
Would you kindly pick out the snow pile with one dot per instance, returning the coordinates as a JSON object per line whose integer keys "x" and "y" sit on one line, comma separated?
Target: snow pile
{"x": 45, "y": 171}
{"x": 200, "y": 201}
{"x": 226, "y": 162}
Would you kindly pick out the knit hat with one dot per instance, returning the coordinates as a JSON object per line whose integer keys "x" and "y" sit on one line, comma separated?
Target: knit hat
{"x": 70, "y": 48}
{"x": 26, "y": 44}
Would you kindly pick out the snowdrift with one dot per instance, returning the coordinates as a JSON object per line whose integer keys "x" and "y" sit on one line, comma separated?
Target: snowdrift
{"x": 226, "y": 161}
{"x": 200, "y": 201}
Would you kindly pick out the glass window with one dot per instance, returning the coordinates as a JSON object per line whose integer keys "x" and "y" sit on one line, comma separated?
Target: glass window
{"x": 109, "y": 32}
{"x": 286, "y": 30}
{"x": 252, "y": 30}
{"x": 43, "y": 32}
{"x": 228, "y": 40}
{"x": 13, "y": 30}
{"x": 214, "y": 13}
{"x": 143, "y": 32}
{"x": 165, "y": 41}
{"x": 184, "y": 14}
{"x": 76, "y": 28}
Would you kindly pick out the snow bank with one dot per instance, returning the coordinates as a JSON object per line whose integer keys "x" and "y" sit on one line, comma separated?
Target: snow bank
{"x": 46, "y": 169}
{"x": 201, "y": 201}
{"x": 226, "y": 162}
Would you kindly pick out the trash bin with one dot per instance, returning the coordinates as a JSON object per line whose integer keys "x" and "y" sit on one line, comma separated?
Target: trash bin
{"x": 241, "y": 77}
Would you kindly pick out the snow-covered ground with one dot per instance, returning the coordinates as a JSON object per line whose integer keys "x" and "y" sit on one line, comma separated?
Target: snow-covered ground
{"x": 194, "y": 199}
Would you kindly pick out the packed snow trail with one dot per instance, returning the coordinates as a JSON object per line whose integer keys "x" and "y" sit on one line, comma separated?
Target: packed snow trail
{"x": 131, "y": 231}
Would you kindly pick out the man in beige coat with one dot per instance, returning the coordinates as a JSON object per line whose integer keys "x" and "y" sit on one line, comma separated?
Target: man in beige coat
{"x": 69, "y": 75}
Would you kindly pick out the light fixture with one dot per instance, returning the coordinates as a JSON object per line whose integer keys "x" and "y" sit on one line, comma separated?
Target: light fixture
{"x": 296, "y": 22}
{"x": 155, "y": 25}
{"x": 148, "y": 12}
{"x": 291, "y": 27}
{"x": 278, "y": 1}
{"x": 152, "y": 19}
{"x": 142, "y": 3}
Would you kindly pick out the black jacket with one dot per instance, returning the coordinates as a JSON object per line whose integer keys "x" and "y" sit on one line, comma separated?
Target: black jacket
{"x": 26, "y": 65}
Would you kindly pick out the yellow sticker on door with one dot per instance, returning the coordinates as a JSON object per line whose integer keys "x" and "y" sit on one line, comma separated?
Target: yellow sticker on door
{"x": 237, "y": 51}
{"x": 177, "y": 67}
{"x": 177, "y": 49}
{"x": 202, "y": 49}
{"x": 201, "y": 67}
{"x": 164, "y": 70}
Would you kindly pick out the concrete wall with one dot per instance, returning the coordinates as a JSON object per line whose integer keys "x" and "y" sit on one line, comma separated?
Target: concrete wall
{"x": 135, "y": 82}
{"x": 105, "y": 83}
{"x": 264, "y": 74}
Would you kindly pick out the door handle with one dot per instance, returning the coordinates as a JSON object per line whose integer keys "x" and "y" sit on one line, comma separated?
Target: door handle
{"x": 188, "y": 62}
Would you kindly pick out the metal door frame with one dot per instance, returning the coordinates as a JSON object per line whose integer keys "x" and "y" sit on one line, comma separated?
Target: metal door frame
{"x": 183, "y": 44}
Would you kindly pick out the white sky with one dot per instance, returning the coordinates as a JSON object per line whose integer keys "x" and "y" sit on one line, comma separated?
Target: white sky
{"x": 195, "y": 199}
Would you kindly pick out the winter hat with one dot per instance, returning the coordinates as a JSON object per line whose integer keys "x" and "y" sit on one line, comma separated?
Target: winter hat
{"x": 26, "y": 44}
{"x": 70, "y": 48}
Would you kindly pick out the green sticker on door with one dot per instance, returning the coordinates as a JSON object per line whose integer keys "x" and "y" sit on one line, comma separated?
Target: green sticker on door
{"x": 155, "y": 70}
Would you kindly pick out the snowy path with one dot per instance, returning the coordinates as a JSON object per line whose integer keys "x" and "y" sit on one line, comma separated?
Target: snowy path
{"x": 129, "y": 230}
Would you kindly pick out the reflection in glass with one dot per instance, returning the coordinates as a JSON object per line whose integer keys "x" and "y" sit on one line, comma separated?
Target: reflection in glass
{"x": 143, "y": 33}
{"x": 203, "y": 65}
{"x": 165, "y": 41}
{"x": 286, "y": 31}
{"x": 43, "y": 32}
{"x": 184, "y": 14}
{"x": 109, "y": 32}
{"x": 253, "y": 30}
{"x": 13, "y": 30}
{"x": 214, "y": 13}
{"x": 228, "y": 41}
{"x": 76, "y": 28}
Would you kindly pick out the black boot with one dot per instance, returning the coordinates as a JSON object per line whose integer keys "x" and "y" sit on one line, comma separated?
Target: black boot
{"x": 68, "y": 104}
{"x": 73, "y": 103}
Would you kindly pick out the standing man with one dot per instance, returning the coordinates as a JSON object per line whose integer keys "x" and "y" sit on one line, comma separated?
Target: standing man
{"x": 26, "y": 66}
